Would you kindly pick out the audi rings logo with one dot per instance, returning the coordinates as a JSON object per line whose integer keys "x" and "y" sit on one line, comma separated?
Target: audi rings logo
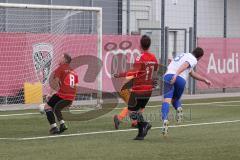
{"x": 113, "y": 50}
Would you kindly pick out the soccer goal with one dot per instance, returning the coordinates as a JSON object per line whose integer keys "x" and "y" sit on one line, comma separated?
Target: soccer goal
{"x": 32, "y": 41}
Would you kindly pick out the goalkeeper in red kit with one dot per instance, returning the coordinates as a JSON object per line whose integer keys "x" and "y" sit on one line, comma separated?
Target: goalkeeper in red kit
{"x": 144, "y": 69}
{"x": 67, "y": 80}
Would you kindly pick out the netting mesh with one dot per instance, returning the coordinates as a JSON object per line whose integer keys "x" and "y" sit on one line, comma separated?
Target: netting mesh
{"x": 32, "y": 43}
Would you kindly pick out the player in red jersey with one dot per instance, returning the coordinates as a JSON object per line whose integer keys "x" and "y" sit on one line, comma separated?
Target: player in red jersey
{"x": 67, "y": 80}
{"x": 144, "y": 69}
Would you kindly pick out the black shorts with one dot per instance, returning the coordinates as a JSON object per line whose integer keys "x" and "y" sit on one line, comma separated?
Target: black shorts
{"x": 57, "y": 102}
{"x": 138, "y": 101}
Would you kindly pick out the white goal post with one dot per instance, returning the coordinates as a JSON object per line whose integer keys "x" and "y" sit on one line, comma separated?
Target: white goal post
{"x": 54, "y": 29}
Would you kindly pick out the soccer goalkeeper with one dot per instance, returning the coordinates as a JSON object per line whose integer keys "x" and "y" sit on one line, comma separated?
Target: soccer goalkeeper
{"x": 67, "y": 80}
{"x": 144, "y": 69}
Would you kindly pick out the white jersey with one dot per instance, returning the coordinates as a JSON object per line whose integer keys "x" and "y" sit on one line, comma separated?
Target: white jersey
{"x": 178, "y": 61}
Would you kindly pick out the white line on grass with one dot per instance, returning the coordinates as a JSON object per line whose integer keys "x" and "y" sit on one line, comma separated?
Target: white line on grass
{"x": 227, "y": 105}
{"x": 19, "y": 114}
{"x": 153, "y": 106}
{"x": 116, "y": 131}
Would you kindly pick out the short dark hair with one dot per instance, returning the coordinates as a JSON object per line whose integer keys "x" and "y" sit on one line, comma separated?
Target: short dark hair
{"x": 145, "y": 42}
{"x": 198, "y": 52}
{"x": 68, "y": 58}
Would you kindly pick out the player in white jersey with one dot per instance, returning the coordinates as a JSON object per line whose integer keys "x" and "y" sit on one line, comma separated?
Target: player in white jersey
{"x": 174, "y": 82}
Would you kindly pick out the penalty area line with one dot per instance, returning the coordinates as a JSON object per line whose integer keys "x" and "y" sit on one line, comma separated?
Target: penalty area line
{"x": 117, "y": 131}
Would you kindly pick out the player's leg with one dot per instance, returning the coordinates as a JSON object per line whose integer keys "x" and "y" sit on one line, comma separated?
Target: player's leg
{"x": 179, "y": 110}
{"x": 136, "y": 103}
{"x": 134, "y": 122}
{"x": 176, "y": 102}
{"x": 49, "y": 107}
{"x": 124, "y": 113}
{"x": 125, "y": 95}
{"x": 119, "y": 117}
{"x": 142, "y": 104}
{"x": 58, "y": 112}
{"x": 167, "y": 98}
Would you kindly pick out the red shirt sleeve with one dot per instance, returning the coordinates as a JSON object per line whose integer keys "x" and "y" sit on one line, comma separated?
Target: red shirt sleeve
{"x": 138, "y": 63}
{"x": 156, "y": 65}
{"x": 135, "y": 70}
{"x": 58, "y": 72}
{"x": 136, "y": 67}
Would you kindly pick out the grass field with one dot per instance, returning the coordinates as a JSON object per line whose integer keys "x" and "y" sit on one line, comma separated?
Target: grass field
{"x": 211, "y": 131}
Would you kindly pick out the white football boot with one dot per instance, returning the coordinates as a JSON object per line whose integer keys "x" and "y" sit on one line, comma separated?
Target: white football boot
{"x": 179, "y": 116}
{"x": 165, "y": 127}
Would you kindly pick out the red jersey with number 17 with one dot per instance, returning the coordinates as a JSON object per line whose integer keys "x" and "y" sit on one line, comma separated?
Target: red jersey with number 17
{"x": 144, "y": 66}
{"x": 68, "y": 80}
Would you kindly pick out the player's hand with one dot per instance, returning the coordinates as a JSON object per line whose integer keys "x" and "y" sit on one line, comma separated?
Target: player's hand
{"x": 208, "y": 82}
{"x": 173, "y": 80}
{"x": 115, "y": 75}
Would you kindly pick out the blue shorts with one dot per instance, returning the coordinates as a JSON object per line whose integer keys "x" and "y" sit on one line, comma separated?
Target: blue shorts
{"x": 175, "y": 90}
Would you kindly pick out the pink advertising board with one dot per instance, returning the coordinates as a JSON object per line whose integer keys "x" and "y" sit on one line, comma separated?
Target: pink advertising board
{"x": 220, "y": 63}
{"x": 21, "y": 62}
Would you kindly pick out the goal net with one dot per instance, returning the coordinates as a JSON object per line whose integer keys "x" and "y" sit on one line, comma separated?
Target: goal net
{"x": 33, "y": 38}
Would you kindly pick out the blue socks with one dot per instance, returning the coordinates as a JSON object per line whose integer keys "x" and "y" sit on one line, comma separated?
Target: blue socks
{"x": 176, "y": 104}
{"x": 165, "y": 110}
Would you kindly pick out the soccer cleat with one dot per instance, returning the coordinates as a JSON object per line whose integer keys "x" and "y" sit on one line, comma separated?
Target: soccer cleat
{"x": 143, "y": 130}
{"x": 140, "y": 135}
{"x": 54, "y": 130}
{"x": 147, "y": 126}
{"x": 139, "y": 138}
{"x": 165, "y": 128}
{"x": 63, "y": 127}
{"x": 179, "y": 116}
{"x": 116, "y": 121}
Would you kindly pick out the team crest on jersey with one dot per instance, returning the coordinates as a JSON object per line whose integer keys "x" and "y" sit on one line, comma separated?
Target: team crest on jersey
{"x": 42, "y": 60}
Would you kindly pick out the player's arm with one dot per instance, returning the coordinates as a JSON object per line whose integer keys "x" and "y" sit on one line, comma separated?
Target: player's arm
{"x": 182, "y": 68}
{"x": 55, "y": 82}
{"x": 130, "y": 73}
{"x": 197, "y": 76}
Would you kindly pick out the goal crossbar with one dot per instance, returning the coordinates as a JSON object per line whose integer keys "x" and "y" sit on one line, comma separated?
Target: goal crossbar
{"x": 55, "y": 7}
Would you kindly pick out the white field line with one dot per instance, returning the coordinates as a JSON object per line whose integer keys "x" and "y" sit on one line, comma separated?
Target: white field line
{"x": 116, "y": 131}
{"x": 227, "y": 105}
{"x": 153, "y": 106}
{"x": 19, "y": 114}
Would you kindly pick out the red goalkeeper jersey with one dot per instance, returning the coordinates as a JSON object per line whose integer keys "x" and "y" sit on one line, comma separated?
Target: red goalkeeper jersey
{"x": 143, "y": 69}
{"x": 68, "y": 80}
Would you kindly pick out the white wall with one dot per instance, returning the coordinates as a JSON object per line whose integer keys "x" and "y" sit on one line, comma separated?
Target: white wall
{"x": 233, "y": 29}
{"x": 145, "y": 13}
{"x": 210, "y": 15}
{"x": 210, "y": 18}
{"x": 140, "y": 10}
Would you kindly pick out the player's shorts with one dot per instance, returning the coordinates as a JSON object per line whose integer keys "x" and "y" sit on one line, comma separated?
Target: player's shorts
{"x": 57, "y": 102}
{"x": 175, "y": 90}
{"x": 138, "y": 101}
